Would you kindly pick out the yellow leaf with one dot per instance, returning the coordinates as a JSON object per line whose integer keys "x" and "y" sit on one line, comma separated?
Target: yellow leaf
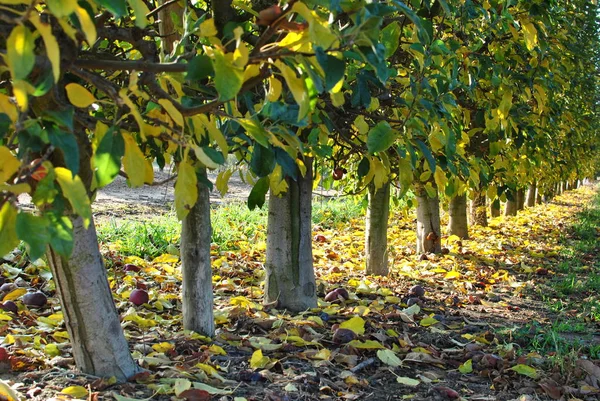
{"x": 7, "y": 391}
{"x": 216, "y": 350}
{"x": 9, "y": 164}
{"x": 531, "y": 35}
{"x": 8, "y": 233}
{"x": 274, "y": 89}
{"x": 87, "y": 25}
{"x": 75, "y": 391}
{"x": 20, "y": 91}
{"x": 298, "y": 88}
{"x": 74, "y": 190}
{"x": 452, "y": 275}
{"x": 134, "y": 161}
{"x": 140, "y": 10}
{"x": 323, "y": 354}
{"x": 466, "y": 367}
{"x": 8, "y": 108}
{"x": 162, "y": 347}
{"x": 50, "y": 42}
{"x": 79, "y": 96}
{"x": 369, "y": 344}
{"x": 133, "y": 110}
{"x": 356, "y": 324}
{"x": 5, "y": 317}
{"x": 186, "y": 190}
{"x": 208, "y": 28}
{"x": 14, "y": 294}
{"x": 52, "y": 350}
{"x": 258, "y": 361}
{"x": 172, "y": 111}
{"x": 204, "y": 158}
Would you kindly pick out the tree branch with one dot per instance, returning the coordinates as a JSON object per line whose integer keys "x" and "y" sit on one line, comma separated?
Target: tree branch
{"x": 144, "y": 66}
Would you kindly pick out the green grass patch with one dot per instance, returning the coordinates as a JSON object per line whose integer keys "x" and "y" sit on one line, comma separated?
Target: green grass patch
{"x": 233, "y": 227}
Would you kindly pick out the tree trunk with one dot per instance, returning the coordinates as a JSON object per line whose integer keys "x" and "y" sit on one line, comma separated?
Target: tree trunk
{"x": 457, "y": 211}
{"x": 520, "y": 199}
{"x": 290, "y": 281}
{"x": 428, "y": 222}
{"x": 92, "y": 321}
{"x": 376, "y": 251}
{"x": 495, "y": 208}
{"x": 197, "y": 295}
{"x": 510, "y": 209}
{"x": 531, "y": 194}
{"x": 478, "y": 210}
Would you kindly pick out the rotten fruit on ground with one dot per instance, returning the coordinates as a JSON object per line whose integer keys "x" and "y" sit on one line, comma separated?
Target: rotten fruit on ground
{"x": 10, "y": 306}
{"x": 36, "y": 299}
{"x": 339, "y": 294}
{"x": 416, "y": 291}
{"x": 138, "y": 297}
{"x": 129, "y": 267}
{"x": 343, "y": 336}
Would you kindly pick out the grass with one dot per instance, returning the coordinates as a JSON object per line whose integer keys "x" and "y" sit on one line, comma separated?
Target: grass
{"x": 233, "y": 225}
{"x": 571, "y": 296}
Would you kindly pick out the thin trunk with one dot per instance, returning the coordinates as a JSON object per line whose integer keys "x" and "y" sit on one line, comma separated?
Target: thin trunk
{"x": 428, "y": 222}
{"x": 495, "y": 208}
{"x": 521, "y": 199}
{"x": 457, "y": 211}
{"x": 92, "y": 321}
{"x": 478, "y": 210}
{"x": 290, "y": 281}
{"x": 510, "y": 209}
{"x": 197, "y": 295}
{"x": 531, "y": 194}
{"x": 376, "y": 230}
{"x": 168, "y": 27}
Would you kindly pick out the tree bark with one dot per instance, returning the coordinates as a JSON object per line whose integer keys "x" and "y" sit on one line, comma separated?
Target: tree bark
{"x": 531, "y": 194}
{"x": 428, "y": 222}
{"x": 520, "y": 199}
{"x": 457, "y": 211}
{"x": 478, "y": 210}
{"x": 290, "y": 281}
{"x": 376, "y": 251}
{"x": 197, "y": 295}
{"x": 167, "y": 27}
{"x": 510, "y": 209}
{"x": 92, "y": 321}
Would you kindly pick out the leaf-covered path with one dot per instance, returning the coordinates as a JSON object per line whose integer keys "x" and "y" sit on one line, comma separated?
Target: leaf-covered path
{"x": 512, "y": 312}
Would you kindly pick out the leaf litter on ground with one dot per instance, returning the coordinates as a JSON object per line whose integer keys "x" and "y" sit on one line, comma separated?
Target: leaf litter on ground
{"x": 440, "y": 327}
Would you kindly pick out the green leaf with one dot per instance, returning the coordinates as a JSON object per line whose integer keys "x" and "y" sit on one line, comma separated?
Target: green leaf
{"x": 33, "y": 230}
{"x": 8, "y": 234}
{"x": 356, "y": 324}
{"x": 117, "y": 7}
{"x": 333, "y": 67}
{"x": 262, "y": 162}
{"x": 20, "y": 55}
{"x": 525, "y": 370}
{"x": 427, "y": 154}
{"x": 74, "y": 190}
{"x": 63, "y": 117}
{"x": 140, "y": 10}
{"x": 199, "y": 68}
{"x": 389, "y": 357}
{"x": 107, "y": 159}
{"x": 363, "y": 167}
{"x": 68, "y": 145}
{"x": 380, "y": 137}
{"x": 228, "y": 78}
{"x": 466, "y": 367}
{"x": 390, "y": 38}
{"x": 61, "y": 234}
{"x": 256, "y": 199}
{"x": 186, "y": 189}
{"x": 422, "y": 32}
